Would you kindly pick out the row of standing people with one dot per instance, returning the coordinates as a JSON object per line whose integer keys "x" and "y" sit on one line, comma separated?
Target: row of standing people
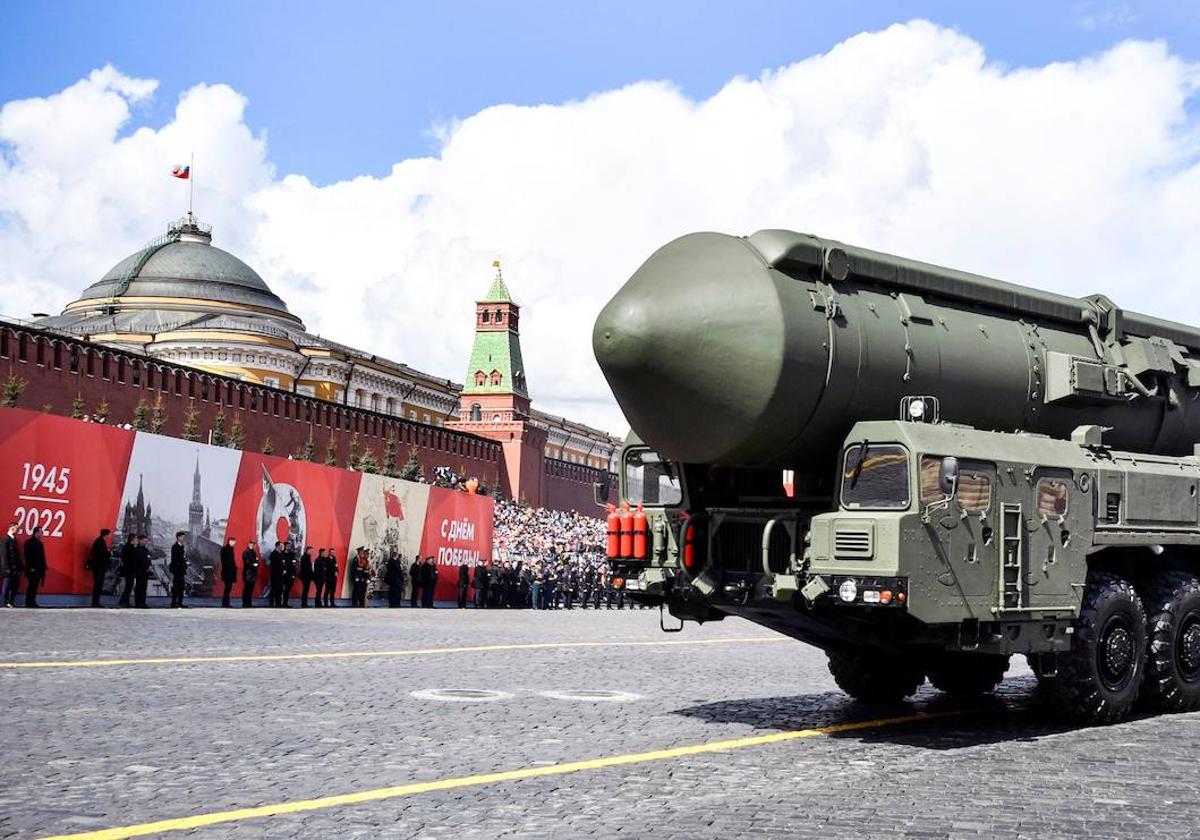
{"x": 17, "y": 561}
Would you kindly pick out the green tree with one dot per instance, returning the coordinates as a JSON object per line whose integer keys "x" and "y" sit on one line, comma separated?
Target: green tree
{"x": 218, "y": 437}
{"x": 12, "y": 389}
{"x": 191, "y": 430}
{"x": 237, "y": 434}
{"x": 100, "y": 415}
{"x": 367, "y": 462}
{"x": 139, "y": 415}
{"x": 411, "y": 471}
{"x": 331, "y": 452}
{"x": 389, "y": 457}
{"x": 353, "y": 459}
{"x": 77, "y": 407}
{"x": 308, "y": 452}
{"x": 158, "y": 416}
{"x": 267, "y": 448}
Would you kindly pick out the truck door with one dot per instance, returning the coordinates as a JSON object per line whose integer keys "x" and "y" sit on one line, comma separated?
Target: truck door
{"x": 1051, "y": 537}
{"x": 966, "y": 534}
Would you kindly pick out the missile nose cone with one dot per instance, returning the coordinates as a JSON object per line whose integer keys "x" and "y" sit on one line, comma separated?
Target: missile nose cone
{"x": 693, "y": 346}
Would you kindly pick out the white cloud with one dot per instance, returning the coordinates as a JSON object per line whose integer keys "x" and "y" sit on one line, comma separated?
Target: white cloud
{"x": 1078, "y": 177}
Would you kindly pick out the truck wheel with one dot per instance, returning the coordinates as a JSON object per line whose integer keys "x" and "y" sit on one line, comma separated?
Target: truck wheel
{"x": 1100, "y": 676}
{"x": 967, "y": 674}
{"x": 874, "y": 678}
{"x": 1172, "y": 603}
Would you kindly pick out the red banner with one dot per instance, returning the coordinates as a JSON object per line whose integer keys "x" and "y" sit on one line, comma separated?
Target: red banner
{"x": 65, "y": 476}
{"x": 297, "y": 502}
{"x": 458, "y": 528}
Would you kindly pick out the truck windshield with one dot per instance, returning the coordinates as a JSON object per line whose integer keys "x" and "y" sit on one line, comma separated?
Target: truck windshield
{"x": 650, "y": 480}
{"x": 875, "y": 476}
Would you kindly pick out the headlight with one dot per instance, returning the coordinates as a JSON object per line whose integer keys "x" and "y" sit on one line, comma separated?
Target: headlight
{"x": 848, "y": 591}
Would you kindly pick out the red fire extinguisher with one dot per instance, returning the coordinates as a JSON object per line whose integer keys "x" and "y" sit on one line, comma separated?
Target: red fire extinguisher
{"x": 613, "y": 521}
{"x": 626, "y": 545}
{"x": 639, "y": 533}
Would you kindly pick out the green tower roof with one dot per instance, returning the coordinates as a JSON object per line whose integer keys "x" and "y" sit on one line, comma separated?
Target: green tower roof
{"x": 498, "y": 293}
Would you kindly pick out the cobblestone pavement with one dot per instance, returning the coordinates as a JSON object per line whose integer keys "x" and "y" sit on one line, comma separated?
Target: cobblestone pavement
{"x": 94, "y": 747}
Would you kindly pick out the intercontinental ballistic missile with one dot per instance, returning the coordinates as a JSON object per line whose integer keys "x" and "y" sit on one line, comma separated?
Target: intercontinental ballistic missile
{"x": 762, "y": 351}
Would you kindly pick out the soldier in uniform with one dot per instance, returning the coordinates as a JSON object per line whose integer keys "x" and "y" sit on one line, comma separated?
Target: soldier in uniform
{"x": 128, "y": 562}
{"x": 306, "y": 575}
{"x": 361, "y": 573}
{"x": 551, "y": 591}
{"x": 331, "y": 577}
{"x": 228, "y": 570}
{"x": 250, "y": 563}
{"x": 572, "y": 586}
{"x": 35, "y": 566}
{"x": 141, "y": 572}
{"x": 481, "y": 584}
{"x": 178, "y": 568}
{"x": 589, "y": 583}
{"x": 320, "y": 572}
{"x": 10, "y": 565}
{"x": 287, "y": 576}
{"x": 97, "y": 563}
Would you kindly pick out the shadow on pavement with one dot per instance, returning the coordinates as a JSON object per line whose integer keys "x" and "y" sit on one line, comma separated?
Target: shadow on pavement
{"x": 1014, "y": 713}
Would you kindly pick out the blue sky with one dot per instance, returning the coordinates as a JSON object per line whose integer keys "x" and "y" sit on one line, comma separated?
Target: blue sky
{"x": 348, "y": 89}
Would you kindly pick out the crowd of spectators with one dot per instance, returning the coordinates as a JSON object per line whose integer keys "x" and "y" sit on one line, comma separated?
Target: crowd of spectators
{"x": 529, "y": 533}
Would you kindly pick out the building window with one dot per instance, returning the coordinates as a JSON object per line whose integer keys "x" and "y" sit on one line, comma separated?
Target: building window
{"x": 480, "y": 378}
{"x": 476, "y": 412}
{"x": 306, "y": 390}
{"x": 496, "y": 377}
{"x": 271, "y": 381}
{"x": 412, "y": 414}
{"x": 485, "y": 316}
{"x": 499, "y": 317}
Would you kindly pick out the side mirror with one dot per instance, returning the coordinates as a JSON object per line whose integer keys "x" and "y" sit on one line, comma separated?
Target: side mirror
{"x": 948, "y": 476}
{"x": 600, "y": 493}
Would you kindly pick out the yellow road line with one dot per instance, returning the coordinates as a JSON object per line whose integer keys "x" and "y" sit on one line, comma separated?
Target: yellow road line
{"x": 239, "y": 814}
{"x": 364, "y": 654}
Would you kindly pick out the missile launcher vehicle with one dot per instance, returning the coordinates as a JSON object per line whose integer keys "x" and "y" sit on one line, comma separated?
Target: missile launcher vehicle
{"x": 919, "y": 470}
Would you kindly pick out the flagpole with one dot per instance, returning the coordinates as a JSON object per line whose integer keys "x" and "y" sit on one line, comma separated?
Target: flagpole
{"x": 191, "y": 182}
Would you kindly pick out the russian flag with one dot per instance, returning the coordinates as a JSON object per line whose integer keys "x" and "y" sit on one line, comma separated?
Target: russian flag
{"x": 181, "y": 171}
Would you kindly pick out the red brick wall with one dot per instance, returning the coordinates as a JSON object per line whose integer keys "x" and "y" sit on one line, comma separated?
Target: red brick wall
{"x": 57, "y": 369}
{"x": 567, "y": 486}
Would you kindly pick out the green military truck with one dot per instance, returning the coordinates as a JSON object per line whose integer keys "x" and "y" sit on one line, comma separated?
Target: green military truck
{"x": 920, "y": 471}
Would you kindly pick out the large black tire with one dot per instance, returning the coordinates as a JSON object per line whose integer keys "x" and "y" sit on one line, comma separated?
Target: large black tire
{"x": 1100, "y": 676}
{"x": 967, "y": 674}
{"x": 1172, "y": 682}
{"x": 874, "y": 678}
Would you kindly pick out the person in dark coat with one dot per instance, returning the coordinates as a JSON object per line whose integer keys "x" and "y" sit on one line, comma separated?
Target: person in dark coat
{"x": 429, "y": 582}
{"x": 10, "y": 565}
{"x": 394, "y": 577}
{"x": 127, "y": 562}
{"x": 306, "y": 574}
{"x": 331, "y": 578}
{"x": 250, "y": 564}
{"x": 416, "y": 575}
{"x": 481, "y": 584}
{"x": 228, "y": 570}
{"x": 288, "y": 576}
{"x": 35, "y": 566}
{"x": 141, "y": 572}
{"x": 320, "y": 570}
{"x": 98, "y": 562}
{"x": 464, "y": 584}
{"x": 178, "y": 568}
{"x": 275, "y": 576}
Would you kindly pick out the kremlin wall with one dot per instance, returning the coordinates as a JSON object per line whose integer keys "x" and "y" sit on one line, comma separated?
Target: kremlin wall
{"x": 192, "y": 339}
